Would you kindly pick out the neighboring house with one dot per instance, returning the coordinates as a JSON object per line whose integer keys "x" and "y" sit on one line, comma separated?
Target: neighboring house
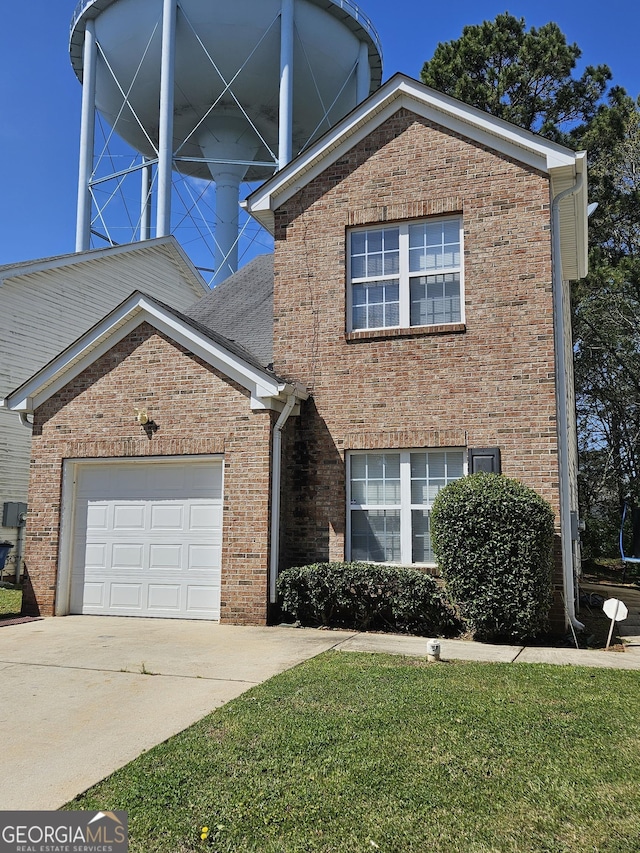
{"x": 46, "y": 304}
{"x": 419, "y": 329}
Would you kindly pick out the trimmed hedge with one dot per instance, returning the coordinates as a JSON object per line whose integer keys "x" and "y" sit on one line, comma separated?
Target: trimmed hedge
{"x": 366, "y": 597}
{"x": 493, "y": 539}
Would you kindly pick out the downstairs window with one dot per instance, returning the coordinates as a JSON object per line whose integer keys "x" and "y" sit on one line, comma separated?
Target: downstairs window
{"x": 390, "y": 499}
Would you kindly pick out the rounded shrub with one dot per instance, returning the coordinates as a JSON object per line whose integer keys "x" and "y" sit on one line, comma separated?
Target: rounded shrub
{"x": 493, "y": 540}
{"x": 366, "y": 597}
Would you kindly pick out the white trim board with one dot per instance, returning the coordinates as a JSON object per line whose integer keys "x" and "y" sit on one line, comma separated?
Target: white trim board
{"x": 265, "y": 388}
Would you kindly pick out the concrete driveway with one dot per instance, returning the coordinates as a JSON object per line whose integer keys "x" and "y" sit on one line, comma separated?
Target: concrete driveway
{"x": 81, "y": 696}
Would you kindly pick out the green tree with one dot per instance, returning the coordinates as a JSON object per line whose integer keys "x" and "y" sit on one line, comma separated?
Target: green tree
{"x": 606, "y": 320}
{"x": 522, "y": 76}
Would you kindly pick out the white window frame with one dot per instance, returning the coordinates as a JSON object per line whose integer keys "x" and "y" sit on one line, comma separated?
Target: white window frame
{"x": 403, "y": 275}
{"x": 406, "y": 506}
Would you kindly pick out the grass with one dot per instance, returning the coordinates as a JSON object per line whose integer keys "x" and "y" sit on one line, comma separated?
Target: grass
{"x": 355, "y": 753}
{"x": 10, "y": 602}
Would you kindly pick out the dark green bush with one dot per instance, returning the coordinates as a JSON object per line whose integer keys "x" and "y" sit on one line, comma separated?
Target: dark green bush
{"x": 493, "y": 540}
{"x": 366, "y": 597}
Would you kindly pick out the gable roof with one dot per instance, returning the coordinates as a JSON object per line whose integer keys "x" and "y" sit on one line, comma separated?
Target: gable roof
{"x": 562, "y": 165}
{"x": 241, "y": 308}
{"x": 267, "y": 390}
{"x": 167, "y": 246}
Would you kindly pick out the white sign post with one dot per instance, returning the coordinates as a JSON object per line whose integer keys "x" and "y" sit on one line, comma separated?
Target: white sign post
{"x": 617, "y": 611}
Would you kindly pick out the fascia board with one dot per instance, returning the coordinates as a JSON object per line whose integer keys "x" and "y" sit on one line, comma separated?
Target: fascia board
{"x": 287, "y": 183}
{"x": 113, "y": 329}
{"x": 71, "y": 368}
{"x": 500, "y": 132}
{"x": 510, "y": 140}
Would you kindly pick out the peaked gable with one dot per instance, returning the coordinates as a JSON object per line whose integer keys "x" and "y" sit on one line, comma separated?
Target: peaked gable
{"x": 232, "y": 360}
{"x": 564, "y": 167}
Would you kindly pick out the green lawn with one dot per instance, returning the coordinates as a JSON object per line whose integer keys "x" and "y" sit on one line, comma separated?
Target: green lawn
{"x": 368, "y": 752}
{"x": 10, "y": 602}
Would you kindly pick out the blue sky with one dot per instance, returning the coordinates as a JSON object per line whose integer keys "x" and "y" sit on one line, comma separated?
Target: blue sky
{"x": 40, "y": 96}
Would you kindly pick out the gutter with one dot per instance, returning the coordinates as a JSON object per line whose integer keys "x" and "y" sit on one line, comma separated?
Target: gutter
{"x": 24, "y": 416}
{"x": 561, "y": 407}
{"x": 276, "y": 479}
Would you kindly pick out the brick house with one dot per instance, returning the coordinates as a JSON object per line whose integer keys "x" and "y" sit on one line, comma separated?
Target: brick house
{"x": 414, "y": 327}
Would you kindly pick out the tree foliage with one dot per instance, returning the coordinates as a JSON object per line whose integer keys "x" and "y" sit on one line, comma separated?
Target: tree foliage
{"x": 524, "y": 77}
{"x": 606, "y": 319}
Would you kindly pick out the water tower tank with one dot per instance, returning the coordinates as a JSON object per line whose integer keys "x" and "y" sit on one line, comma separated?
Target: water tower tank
{"x": 226, "y": 91}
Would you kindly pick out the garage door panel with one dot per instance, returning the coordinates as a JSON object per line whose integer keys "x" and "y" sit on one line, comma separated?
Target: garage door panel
{"x": 202, "y": 558}
{"x": 166, "y": 516}
{"x": 126, "y": 596}
{"x": 96, "y": 556}
{"x": 165, "y": 557}
{"x": 128, "y": 516}
{"x": 129, "y": 556}
{"x": 165, "y": 481}
{"x": 97, "y": 516}
{"x": 205, "y": 517}
{"x": 127, "y": 481}
{"x": 92, "y": 595}
{"x": 203, "y": 599}
{"x": 164, "y": 597}
{"x": 143, "y": 532}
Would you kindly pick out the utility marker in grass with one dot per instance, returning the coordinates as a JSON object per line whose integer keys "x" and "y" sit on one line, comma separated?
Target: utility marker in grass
{"x": 617, "y": 611}
{"x": 433, "y": 651}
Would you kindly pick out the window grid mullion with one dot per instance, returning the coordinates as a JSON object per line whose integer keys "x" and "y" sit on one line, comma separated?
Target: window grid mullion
{"x": 403, "y": 241}
{"x": 405, "y": 509}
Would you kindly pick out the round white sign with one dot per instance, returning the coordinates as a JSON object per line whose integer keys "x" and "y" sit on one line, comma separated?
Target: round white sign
{"x": 615, "y": 609}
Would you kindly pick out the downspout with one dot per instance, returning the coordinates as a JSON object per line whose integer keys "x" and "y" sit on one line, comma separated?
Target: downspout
{"x": 561, "y": 403}
{"x": 276, "y": 478}
{"x": 22, "y": 520}
{"x": 24, "y": 420}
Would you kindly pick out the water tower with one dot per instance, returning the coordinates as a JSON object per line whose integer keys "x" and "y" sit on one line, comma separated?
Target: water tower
{"x": 212, "y": 89}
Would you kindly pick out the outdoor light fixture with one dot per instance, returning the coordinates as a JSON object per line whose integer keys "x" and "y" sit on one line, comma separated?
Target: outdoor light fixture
{"x": 141, "y": 416}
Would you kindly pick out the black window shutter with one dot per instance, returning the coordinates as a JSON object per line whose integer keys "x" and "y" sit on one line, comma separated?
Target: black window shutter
{"x": 485, "y": 459}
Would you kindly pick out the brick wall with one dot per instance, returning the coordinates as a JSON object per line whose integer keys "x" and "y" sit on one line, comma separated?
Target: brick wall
{"x": 488, "y": 383}
{"x": 198, "y": 411}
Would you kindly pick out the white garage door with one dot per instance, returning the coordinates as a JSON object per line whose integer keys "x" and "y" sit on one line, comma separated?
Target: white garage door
{"x": 148, "y": 539}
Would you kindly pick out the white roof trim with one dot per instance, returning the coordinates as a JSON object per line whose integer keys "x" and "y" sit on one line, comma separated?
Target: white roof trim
{"x": 266, "y": 390}
{"x": 400, "y": 91}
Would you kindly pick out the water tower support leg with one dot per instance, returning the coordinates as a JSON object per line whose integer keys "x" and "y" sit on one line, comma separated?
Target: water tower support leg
{"x": 285, "y": 119}
{"x": 87, "y": 137}
{"x": 226, "y": 248}
{"x": 165, "y": 132}
{"x": 363, "y": 73}
{"x": 145, "y": 203}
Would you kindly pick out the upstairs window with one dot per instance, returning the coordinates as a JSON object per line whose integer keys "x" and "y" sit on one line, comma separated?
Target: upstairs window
{"x": 406, "y": 275}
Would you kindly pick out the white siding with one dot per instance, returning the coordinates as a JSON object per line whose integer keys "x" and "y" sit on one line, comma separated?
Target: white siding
{"x": 43, "y": 311}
